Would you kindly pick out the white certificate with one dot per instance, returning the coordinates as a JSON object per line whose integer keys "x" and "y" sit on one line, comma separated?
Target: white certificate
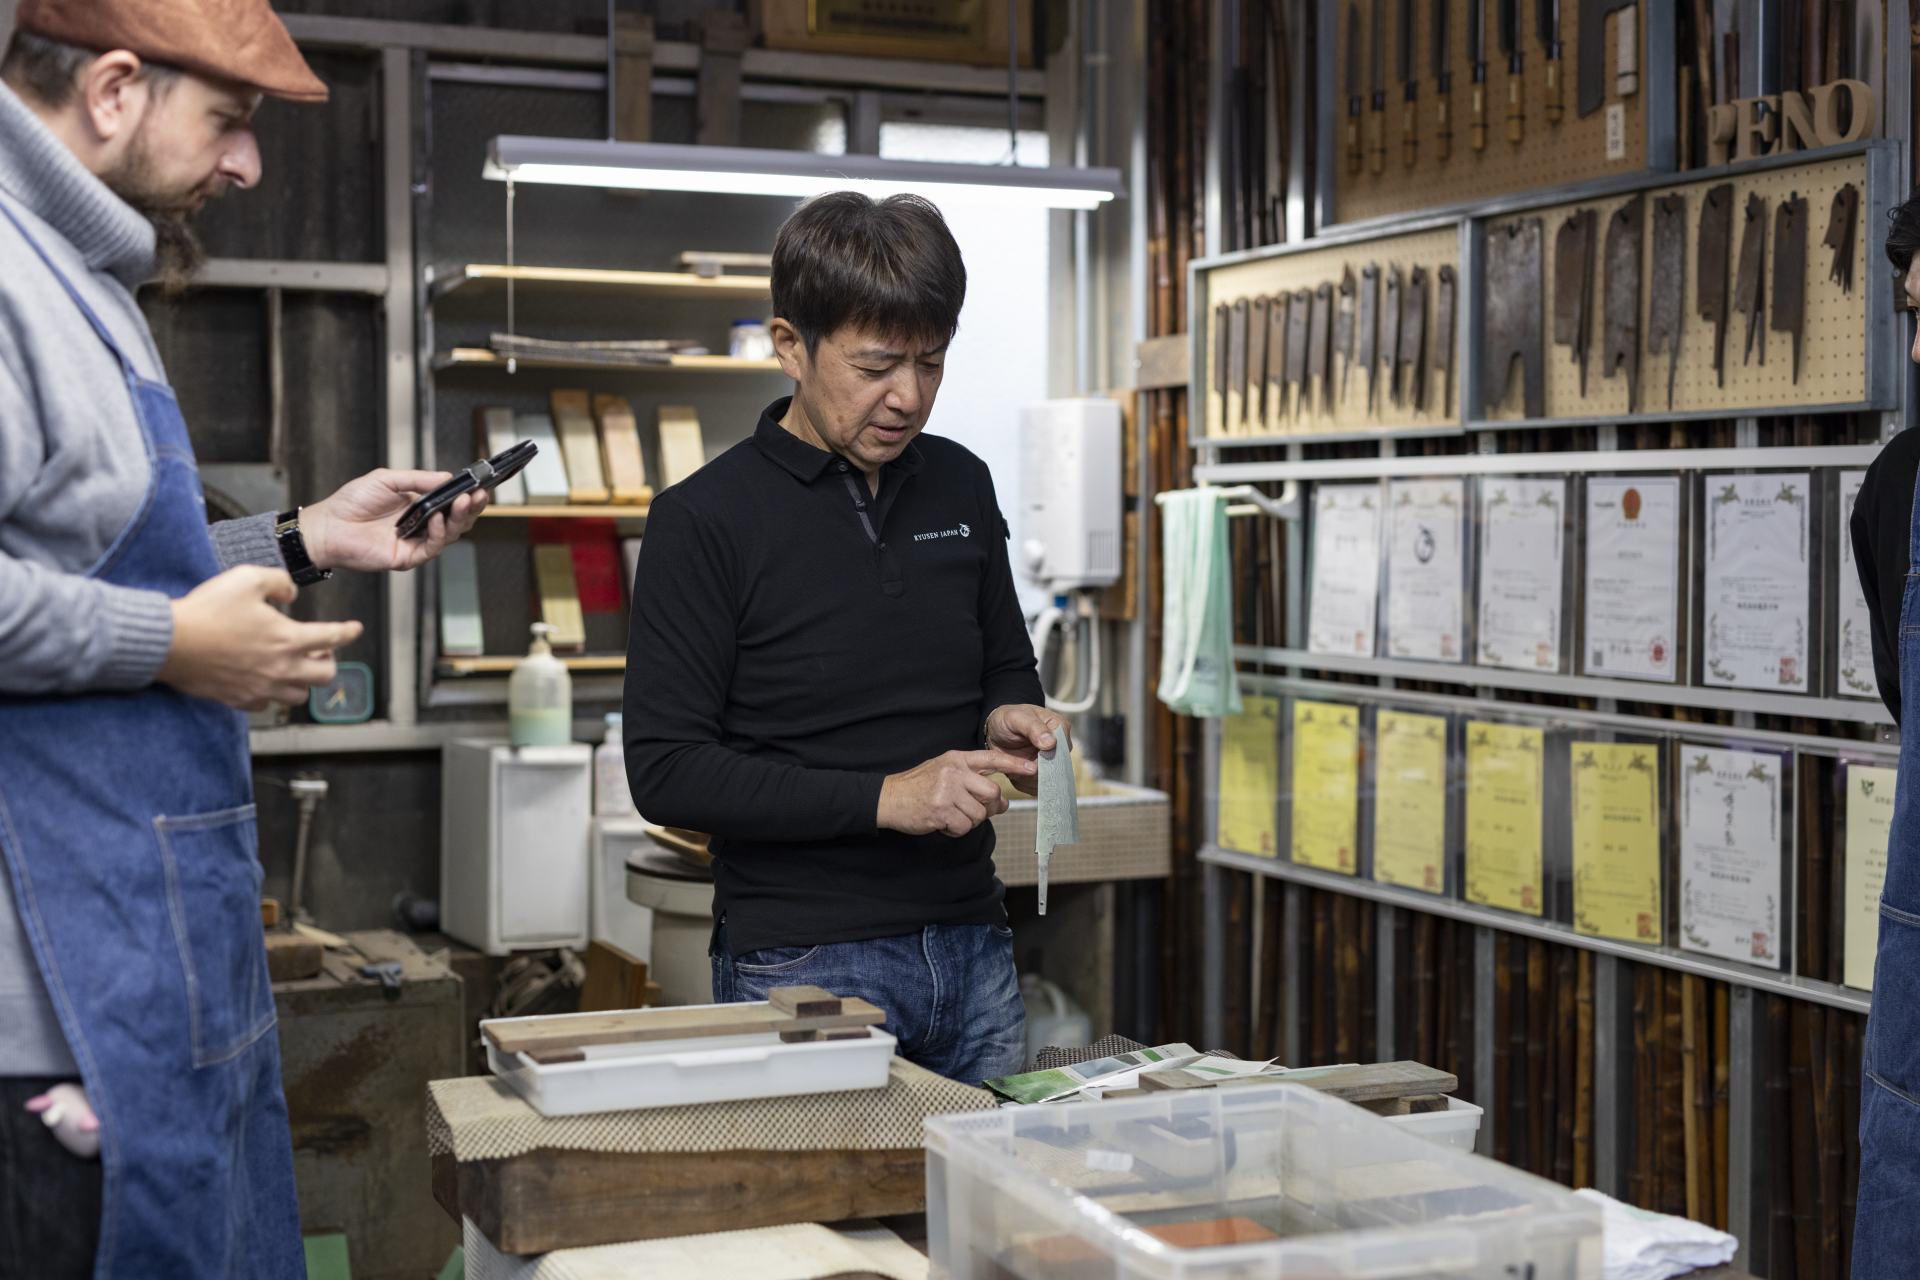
{"x": 1346, "y": 569}
{"x": 1633, "y": 576}
{"x": 1758, "y": 571}
{"x": 1853, "y": 638}
{"x": 1522, "y": 549}
{"x": 1426, "y": 570}
{"x": 1730, "y": 854}
{"x": 1869, "y": 827}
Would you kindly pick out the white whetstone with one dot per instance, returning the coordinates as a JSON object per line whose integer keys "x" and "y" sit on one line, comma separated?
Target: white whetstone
{"x": 1059, "y": 817}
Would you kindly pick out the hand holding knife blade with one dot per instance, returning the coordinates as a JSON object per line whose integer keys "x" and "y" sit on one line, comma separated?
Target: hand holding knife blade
{"x": 1442, "y": 67}
{"x": 1410, "y": 86}
{"x": 1378, "y": 121}
{"x": 1477, "y": 39}
{"x": 1516, "y": 64}
{"x": 1547, "y": 20}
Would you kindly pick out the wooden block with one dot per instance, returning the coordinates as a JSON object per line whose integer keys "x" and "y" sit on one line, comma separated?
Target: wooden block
{"x": 682, "y": 449}
{"x": 559, "y": 596}
{"x": 1373, "y": 1081}
{"x": 545, "y": 474}
{"x": 641, "y": 1025}
{"x": 580, "y": 445}
{"x": 497, "y": 432}
{"x": 626, "y": 467}
{"x": 553, "y": 1199}
{"x": 270, "y": 907}
{"x": 1427, "y": 1105}
{"x": 291, "y": 957}
{"x": 1121, "y": 1095}
{"x": 1170, "y": 1079}
{"x": 615, "y": 980}
{"x": 804, "y": 1002}
{"x": 461, "y": 630}
{"x": 549, "y": 1057}
{"x": 799, "y": 1037}
{"x": 850, "y": 1033}
{"x": 1210, "y": 1233}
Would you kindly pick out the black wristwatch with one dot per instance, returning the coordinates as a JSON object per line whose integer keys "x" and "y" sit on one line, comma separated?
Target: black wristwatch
{"x": 293, "y": 549}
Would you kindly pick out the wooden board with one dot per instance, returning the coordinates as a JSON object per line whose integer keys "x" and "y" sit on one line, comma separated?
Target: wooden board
{"x": 550, "y": 1199}
{"x": 805, "y": 1001}
{"x": 291, "y": 957}
{"x": 636, "y": 1026}
{"x": 1372, "y": 1082}
{"x": 615, "y": 981}
{"x": 580, "y": 444}
{"x": 626, "y": 468}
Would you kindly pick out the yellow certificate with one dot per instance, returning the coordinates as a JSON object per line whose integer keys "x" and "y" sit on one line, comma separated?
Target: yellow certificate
{"x": 1410, "y": 801}
{"x": 1503, "y": 816}
{"x": 1250, "y": 778}
{"x": 1869, "y": 822}
{"x": 1616, "y": 840}
{"x": 1326, "y": 785}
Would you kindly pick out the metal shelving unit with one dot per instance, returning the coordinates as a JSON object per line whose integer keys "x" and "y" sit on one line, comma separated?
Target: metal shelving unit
{"x": 482, "y": 279}
{"x": 483, "y": 358}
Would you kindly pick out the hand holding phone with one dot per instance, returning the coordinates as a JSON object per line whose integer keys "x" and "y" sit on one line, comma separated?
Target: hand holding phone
{"x": 484, "y": 474}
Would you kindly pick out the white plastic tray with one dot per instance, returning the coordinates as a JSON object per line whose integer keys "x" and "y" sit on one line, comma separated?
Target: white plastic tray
{"x": 678, "y": 1073}
{"x": 1458, "y": 1126}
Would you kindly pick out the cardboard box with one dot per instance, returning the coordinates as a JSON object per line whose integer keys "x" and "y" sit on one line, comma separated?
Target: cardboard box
{"x": 970, "y": 31}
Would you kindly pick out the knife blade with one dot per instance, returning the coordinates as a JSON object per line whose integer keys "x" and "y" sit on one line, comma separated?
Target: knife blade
{"x": 1277, "y": 357}
{"x": 1354, "y": 94}
{"x": 1378, "y": 122}
{"x": 1343, "y": 327}
{"x": 1410, "y": 86}
{"x": 1390, "y": 333}
{"x": 1298, "y": 314}
{"x": 1516, "y": 64}
{"x": 1367, "y": 327}
{"x": 1443, "y": 339}
{"x": 1413, "y": 338}
{"x": 1319, "y": 346}
{"x": 1547, "y": 24}
{"x": 1258, "y": 343}
{"x": 1477, "y": 42}
{"x": 1440, "y": 54}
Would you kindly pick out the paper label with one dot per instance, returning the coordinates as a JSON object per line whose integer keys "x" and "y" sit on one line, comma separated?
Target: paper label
{"x": 1504, "y": 772}
{"x": 1616, "y": 131}
{"x": 1616, "y": 840}
{"x": 1326, "y": 785}
{"x": 1410, "y": 801}
{"x": 1426, "y": 583}
{"x": 1730, "y": 881}
{"x": 1250, "y": 778}
{"x": 1756, "y": 598}
{"x": 1869, "y": 823}
{"x": 1522, "y": 552}
{"x": 1346, "y": 569}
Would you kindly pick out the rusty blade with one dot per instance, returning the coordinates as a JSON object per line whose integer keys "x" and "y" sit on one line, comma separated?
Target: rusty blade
{"x": 1237, "y": 355}
{"x": 1319, "y": 327}
{"x": 1343, "y": 326}
{"x": 1621, "y": 348}
{"x": 1222, "y": 316}
{"x": 1669, "y": 282}
{"x": 1443, "y": 310}
{"x": 1790, "y": 273}
{"x": 1749, "y": 285}
{"x": 1367, "y": 323}
{"x": 1297, "y": 315}
{"x": 1390, "y": 334}
{"x": 1515, "y": 313}
{"x": 1258, "y": 321}
{"x": 1573, "y": 248}
{"x": 1839, "y": 238}
{"x": 1714, "y": 244}
{"x": 1277, "y": 354}
{"x": 1413, "y": 337}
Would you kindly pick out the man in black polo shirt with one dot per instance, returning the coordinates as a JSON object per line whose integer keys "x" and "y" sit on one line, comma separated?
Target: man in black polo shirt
{"x": 827, "y": 661}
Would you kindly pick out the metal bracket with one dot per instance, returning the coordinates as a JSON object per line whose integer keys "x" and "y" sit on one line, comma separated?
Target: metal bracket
{"x": 1249, "y": 501}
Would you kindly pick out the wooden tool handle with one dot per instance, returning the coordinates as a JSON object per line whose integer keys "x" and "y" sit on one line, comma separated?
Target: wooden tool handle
{"x": 1443, "y": 135}
{"x": 1353, "y": 144}
{"x": 1516, "y": 109}
{"x": 1408, "y": 147}
{"x": 1377, "y": 128}
{"x": 1556, "y": 100}
{"x": 1477, "y": 131}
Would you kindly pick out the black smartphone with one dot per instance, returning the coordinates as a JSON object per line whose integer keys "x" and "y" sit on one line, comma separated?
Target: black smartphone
{"x": 484, "y": 474}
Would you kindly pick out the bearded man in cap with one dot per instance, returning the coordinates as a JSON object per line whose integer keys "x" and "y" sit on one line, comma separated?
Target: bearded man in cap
{"x": 135, "y": 1007}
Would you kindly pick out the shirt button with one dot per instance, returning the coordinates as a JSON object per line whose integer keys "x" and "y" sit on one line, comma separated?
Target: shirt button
{"x": 883, "y": 546}
{"x": 843, "y": 466}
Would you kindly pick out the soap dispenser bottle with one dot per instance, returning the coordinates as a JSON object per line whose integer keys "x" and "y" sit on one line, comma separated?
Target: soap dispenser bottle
{"x": 540, "y": 696}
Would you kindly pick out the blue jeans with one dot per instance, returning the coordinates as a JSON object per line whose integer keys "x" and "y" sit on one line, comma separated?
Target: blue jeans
{"x": 950, "y": 991}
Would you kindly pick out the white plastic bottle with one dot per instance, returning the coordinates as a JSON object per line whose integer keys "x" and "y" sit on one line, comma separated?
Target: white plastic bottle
{"x": 612, "y": 797}
{"x": 540, "y": 697}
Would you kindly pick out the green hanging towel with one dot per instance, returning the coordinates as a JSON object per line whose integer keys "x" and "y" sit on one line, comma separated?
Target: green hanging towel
{"x": 1196, "y": 658}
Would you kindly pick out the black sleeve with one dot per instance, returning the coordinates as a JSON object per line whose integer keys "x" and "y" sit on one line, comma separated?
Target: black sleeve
{"x": 1009, "y": 673}
{"x": 680, "y": 653}
{"x": 1881, "y": 529}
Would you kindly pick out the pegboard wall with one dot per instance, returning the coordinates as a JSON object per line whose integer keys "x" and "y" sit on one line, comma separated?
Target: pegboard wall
{"x": 1834, "y": 339}
{"x": 1609, "y": 143}
{"x": 1229, "y": 415}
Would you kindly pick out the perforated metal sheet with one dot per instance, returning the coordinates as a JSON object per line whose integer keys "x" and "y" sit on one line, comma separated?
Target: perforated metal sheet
{"x": 1124, "y": 835}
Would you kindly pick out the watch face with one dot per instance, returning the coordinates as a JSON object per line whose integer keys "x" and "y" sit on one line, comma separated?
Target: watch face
{"x": 346, "y": 699}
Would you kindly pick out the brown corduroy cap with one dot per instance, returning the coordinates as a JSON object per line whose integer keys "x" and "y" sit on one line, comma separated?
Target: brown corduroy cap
{"x": 238, "y": 40}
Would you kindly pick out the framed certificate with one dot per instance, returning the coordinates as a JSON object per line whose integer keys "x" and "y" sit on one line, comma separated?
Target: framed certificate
{"x": 1520, "y": 621}
{"x": 1426, "y": 570}
{"x": 1326, "y": 786}
{"x": 1614, "y": 790}
{"x": 1249, "y": 803}
{"x": 1630, "y": 622}
{"x": 1410, "y": 800}
{"x": 1852, "y": 636}
{"x": 1756, "y": 602}
{"x": 1868, "y": 819}
{"x": 1345, "y": 583}
{"x": 1506, "y": 858}
{"x": 1732, "y": 813}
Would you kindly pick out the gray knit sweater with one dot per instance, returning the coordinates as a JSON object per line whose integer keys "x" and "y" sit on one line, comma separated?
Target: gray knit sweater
{"x": 73, "y": 470}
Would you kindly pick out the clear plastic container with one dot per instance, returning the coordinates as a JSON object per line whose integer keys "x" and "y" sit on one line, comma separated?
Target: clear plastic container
{"x": 1458, "y": 1126}
{"x": 1260, "y": 1181}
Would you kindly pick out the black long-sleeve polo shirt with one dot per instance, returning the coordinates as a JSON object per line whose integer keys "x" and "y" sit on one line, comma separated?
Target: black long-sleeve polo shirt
{"x": 1882, "y": 530}
{"x": 795, "y": 638}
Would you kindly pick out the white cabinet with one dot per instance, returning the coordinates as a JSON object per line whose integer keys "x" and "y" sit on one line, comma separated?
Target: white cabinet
{"x": 514, "y": 860}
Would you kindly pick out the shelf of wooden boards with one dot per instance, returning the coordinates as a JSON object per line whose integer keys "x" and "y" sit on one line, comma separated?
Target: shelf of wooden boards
{"x": 490, "y": 665}
{"x": 485, "y": 278}
{"x": 573, "y": 511}
{"x": 482, "y": 358}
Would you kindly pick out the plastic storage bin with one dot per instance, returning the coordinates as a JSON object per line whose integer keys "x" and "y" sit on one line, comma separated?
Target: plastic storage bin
{"x": 1299, "y": 1184}
{"x": 1458, "y": 1126}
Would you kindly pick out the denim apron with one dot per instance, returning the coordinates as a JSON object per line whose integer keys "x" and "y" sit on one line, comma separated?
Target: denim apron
{"x": 127, "y": 824}
{"x": 1886, "y": 1233}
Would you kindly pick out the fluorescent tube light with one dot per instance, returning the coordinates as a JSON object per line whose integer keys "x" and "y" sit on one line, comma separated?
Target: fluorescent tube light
{"x": 654, "y": 166}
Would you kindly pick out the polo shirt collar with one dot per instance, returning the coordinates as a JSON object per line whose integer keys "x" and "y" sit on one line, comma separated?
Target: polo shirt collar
{"x": 807, "y": 463}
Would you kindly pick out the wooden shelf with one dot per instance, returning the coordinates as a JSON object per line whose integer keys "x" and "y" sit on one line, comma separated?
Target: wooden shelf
{"x": 482, "y": 358}
{"x": 477, "y": 278}
{"x": 575, "y": 511}
{"x": 490, "y": 666}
